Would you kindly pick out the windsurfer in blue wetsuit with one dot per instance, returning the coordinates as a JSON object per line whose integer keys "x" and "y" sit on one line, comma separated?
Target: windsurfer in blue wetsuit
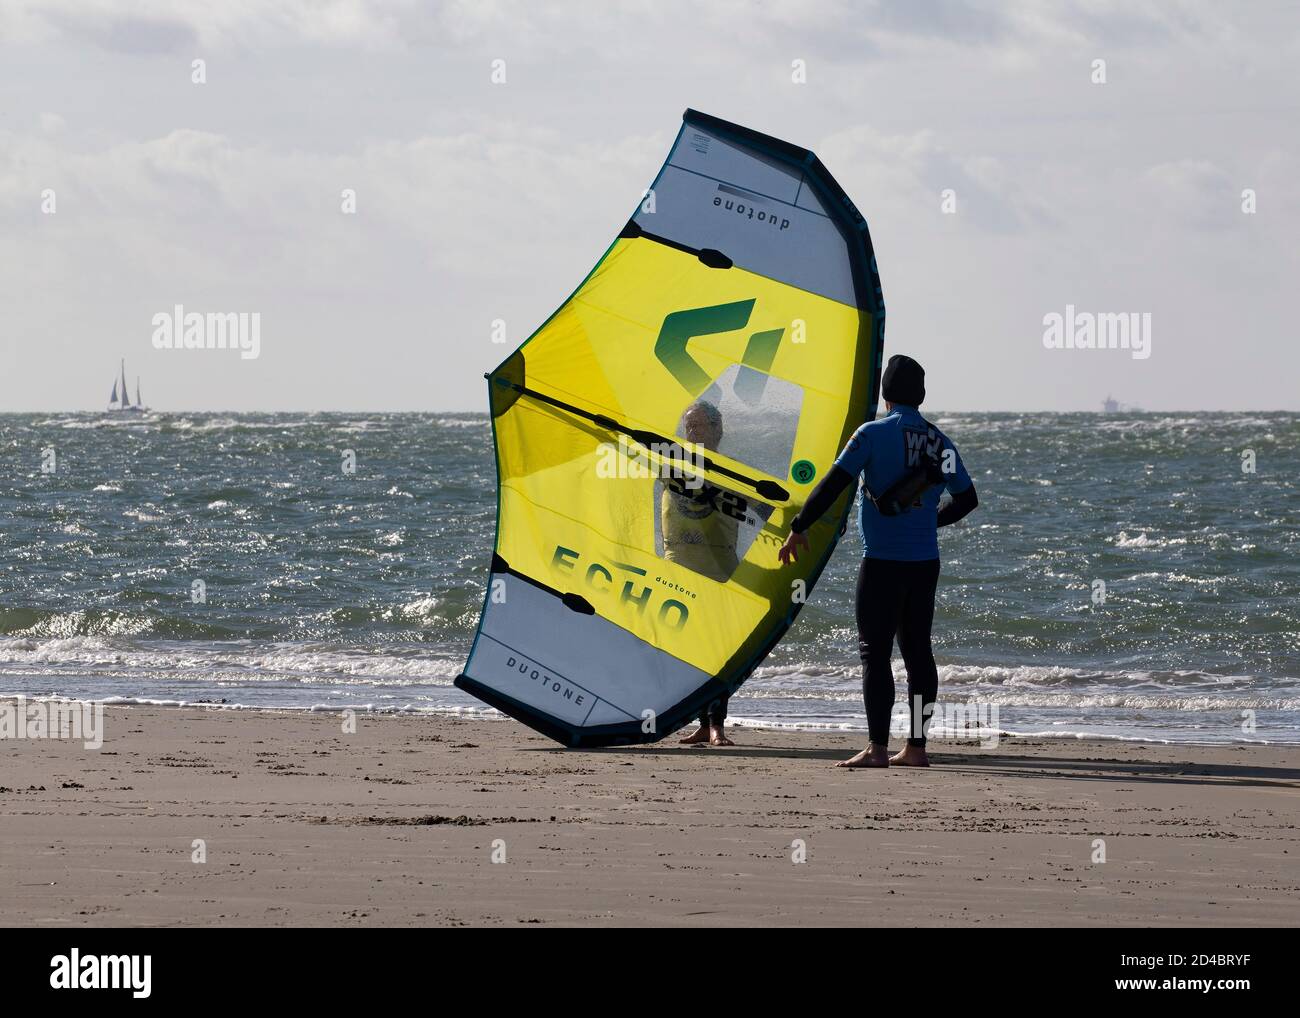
{"x": 905, "y": 462}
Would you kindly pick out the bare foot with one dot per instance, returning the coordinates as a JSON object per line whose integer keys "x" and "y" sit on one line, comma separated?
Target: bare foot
{"x": 719, "y": 737}
{"x": 872, "y": 756}
{"x": 910, "y": 756}
{"x": 697, "y": 737}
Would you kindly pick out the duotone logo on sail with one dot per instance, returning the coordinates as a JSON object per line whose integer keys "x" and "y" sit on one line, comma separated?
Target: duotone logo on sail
{"x": 680, "y": 327}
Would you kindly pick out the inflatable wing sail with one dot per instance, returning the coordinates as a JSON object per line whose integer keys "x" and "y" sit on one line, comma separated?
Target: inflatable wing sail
{"x": 657, "y": 434}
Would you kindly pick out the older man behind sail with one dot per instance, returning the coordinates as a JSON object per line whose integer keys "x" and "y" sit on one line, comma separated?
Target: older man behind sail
{"x": 699, "y": 536}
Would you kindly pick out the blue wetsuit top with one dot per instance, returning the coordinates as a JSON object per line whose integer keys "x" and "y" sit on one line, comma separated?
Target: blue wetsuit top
{"x": 882, "y": 451}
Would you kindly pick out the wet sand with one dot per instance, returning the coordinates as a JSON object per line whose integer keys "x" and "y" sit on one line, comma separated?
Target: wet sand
{"x": 398, "y": 824}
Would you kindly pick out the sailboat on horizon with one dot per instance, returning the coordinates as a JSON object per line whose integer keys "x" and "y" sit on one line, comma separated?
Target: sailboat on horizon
{"x": 120, "y": 401}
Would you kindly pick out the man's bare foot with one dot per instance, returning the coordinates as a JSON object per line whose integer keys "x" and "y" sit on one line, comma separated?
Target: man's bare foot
{"x": 910, "y": 756}
{"x": 872, "y": 756}
{"x": 697, "y": 737}
{"x": 719, "y": 737}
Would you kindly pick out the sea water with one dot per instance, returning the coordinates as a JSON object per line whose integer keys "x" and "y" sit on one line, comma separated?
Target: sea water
{"x": 1123, "y": 576}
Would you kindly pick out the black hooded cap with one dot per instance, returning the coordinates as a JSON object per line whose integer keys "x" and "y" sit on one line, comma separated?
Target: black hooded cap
{"x": 904, "y": 381}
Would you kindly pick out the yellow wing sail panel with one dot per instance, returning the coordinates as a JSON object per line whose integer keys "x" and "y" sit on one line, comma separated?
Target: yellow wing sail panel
{"x": 657, "y": 434}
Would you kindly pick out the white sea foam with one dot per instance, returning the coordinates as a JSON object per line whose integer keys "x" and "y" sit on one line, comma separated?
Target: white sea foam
{"x": 1145, "y": 540}
{"x": 303, "y": 663}
{"x": 472, "y": 710}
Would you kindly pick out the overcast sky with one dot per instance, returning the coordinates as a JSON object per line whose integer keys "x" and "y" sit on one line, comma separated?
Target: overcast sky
{"x": 479, "y": 201}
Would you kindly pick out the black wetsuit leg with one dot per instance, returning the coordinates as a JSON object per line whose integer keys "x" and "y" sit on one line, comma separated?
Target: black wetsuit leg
{"x": 914, "y": 644}
{"x": 878, "y": 611}
{"x": 715, "y": 713}
{"x": 896, "y": 599}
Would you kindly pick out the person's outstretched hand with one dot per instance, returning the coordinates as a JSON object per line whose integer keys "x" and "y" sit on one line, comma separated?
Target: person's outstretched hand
{"x": 790, "y": 550}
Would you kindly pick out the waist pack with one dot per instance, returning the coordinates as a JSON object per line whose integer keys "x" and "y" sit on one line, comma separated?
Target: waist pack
{"x": 899, "y": 497}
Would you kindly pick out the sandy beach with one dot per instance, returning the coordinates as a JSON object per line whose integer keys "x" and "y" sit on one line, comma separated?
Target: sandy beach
{"x": 398, "y": 824}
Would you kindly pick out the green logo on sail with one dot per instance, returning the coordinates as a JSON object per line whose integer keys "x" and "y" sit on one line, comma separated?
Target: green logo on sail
{"x": 680, "y": 327}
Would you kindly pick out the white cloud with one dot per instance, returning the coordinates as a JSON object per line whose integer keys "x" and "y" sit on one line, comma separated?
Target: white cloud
{"x": 477, "y": 202}
{"x": 1193, "y": 192}
{"x": 912, "y": 171}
